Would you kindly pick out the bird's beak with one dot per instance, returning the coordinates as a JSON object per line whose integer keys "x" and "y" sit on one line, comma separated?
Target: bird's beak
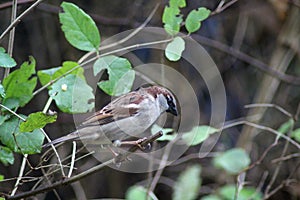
{"x": 172, "y": 110}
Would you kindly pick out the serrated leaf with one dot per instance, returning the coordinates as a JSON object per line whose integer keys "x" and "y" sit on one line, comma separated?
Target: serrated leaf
{"x": 138, "y": 192}
{"x": 5, "y": 60}
{"x": 194, "y": 18}
{"x": 178, "y": 3}
{"x": 6, "y": 156}
{"x": 45, "y": 76}
{"x": 121, "y": 75}
{"x": 228, "y": 192}
{"x": 19, "y": 84}
{"x": 79, "y": 28}
{"x": 198, "y": 134}
{"x": 26, "y": 143}
{"x": 36, "y": 120}
{"x": 72, "y": 94}
{"x": 156, "y": 128}
{"x": 2, "y": 91}
{"x": 172, "y": 20}
{"x": 232, "y": 161}
{"x": 188, "y": 184}
{"x": 174, "y": 49}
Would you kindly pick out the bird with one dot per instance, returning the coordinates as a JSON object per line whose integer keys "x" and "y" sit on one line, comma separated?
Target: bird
{"x": 126, "y": 116}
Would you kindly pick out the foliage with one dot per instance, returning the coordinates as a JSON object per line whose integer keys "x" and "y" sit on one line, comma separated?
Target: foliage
{"x": 121, "y": 75}
{"x": 20, "y": 142}
{"x": 79, "y": 28}
{"x": 19, "y": 85}
{"x": 5, "y": 60}
{"x": 188, "y": 184}
{"x": 232, "y": 161}
{"x": 174, "y": 49}
{"x": 138, "y": 192}
{"x": 36, "y": 120}
{"x": 69, "y": 90}
{"x": 194, "y": 19}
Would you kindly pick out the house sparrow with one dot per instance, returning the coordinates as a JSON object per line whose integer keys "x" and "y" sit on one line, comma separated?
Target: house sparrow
{"x": 126, "y": 116}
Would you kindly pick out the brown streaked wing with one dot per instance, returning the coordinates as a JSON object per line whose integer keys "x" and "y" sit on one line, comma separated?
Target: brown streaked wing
{"x": 115, "y": 110}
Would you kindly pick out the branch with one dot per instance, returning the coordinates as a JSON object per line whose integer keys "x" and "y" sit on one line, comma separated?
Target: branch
{"x": 119, "y": 158}
{"x": 293, "y": 80}
{"x": 9, "y": 4}
{"x": 221, "y": 8}
{"x": 18, "y": 19}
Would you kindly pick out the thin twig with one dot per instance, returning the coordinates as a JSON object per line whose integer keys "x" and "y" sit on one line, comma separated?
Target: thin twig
{"x": 55, "y": 152}
{"x": 72, "y": 159}
{"x": 277, "y": 169}
{"x": 270, "y": 105}
{"x": 17, "y": 20}
{"x": 12, "y": 112}
{"x": 21, "y": 172}
{"x": 287, "y": 157}
{"x": 9, "y": 4}
{"x": 11, "y": 35}
{"x": 261, "y": 127}
{"x": 120, "y": 158}
{"x": 293, "y": 80}
{"x": 98, "y": 56}
{"x": 162, "y": 165}
{"x": 124, "y": 39}
{"x": 221, "y": 8}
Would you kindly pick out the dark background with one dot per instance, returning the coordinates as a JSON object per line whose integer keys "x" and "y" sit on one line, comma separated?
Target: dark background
{"x": 264, "y": 30}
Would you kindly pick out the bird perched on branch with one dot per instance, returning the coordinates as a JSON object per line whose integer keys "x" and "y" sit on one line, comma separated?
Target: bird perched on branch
{"x": 126, "y": 116}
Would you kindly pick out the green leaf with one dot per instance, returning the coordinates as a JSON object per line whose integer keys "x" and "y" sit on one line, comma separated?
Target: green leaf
{"x": 2, "y": 91}
{"x": 232, "y": 161}
{"x": 228, "y": 193}
{"x": 172, "y": 20}
{"x": 198, "y": 134}
{"x": 79, "y": 28}
{"x": 174, "y": 49}
{"x": 19, "y": 84}
{"x": 177, "y": 3}
{"x": 36, "y": 120}
{"x": 138, "y": 192}
{"x": 155, "y": 129}
{"x": 194, "y": 18}
{"x": 1, "y": 177}
{"x": 45, "y": 76}
{"x": 3, "y": 118}
{"x": 188, "y": 184}
{"x": 211, "y": 197}
{"x": 285, "y": 127}
{"x": 72, "y": 94}
{"x": 296, "y": 134}
{"x": 6, "y": 156}
{"x": 121, "y": 75}
{"x": 26, "y": 143}
{"x": 5, "y": 60}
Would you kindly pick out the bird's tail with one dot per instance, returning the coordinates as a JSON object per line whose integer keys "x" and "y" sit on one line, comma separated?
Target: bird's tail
{"x": 70, "y": 137}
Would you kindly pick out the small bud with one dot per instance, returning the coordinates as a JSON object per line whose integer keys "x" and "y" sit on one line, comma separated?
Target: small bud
{"x": 64, "y": 87}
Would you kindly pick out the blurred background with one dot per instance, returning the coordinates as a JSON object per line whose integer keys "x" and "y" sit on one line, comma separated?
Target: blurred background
{"x": 246, "y": 41}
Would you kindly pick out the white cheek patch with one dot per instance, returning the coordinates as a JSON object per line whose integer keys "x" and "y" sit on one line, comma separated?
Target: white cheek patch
{"x": 132, "y": 106}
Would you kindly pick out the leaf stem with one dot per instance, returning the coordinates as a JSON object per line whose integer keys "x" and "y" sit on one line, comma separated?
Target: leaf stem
{"x": 11, "y": 35}
{"x": 12, "y": 112}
